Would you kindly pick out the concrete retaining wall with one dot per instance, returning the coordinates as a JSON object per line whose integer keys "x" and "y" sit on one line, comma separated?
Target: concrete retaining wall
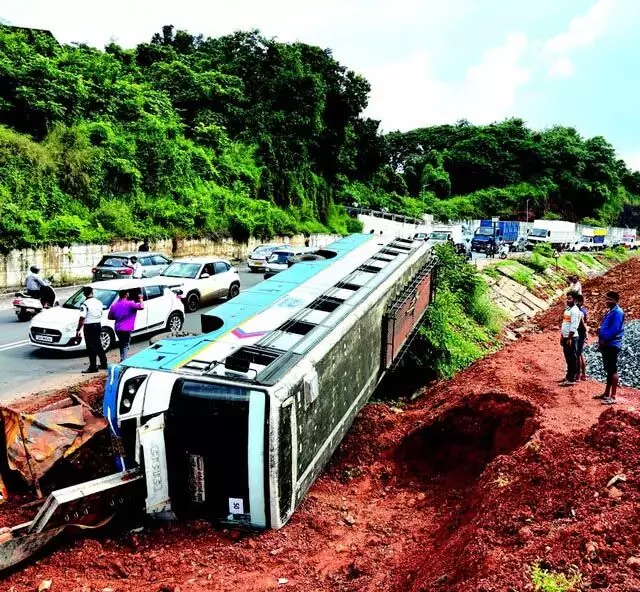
{"x": 72, "y": 263}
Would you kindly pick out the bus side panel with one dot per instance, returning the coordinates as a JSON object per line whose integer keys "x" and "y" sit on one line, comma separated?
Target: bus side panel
{"x": 347, "y": 376}
{"x": 285, "y": 463}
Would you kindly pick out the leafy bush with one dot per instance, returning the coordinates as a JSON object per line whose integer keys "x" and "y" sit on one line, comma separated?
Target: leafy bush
{"x": 550, "y": 581}
{"x": 543, "y": 249}
{"x": 461, "y": 323}
{"x": 536, "y": 262}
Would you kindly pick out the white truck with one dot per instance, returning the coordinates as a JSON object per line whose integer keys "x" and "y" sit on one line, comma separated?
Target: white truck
{"x": 589, "y": 239}
{"x": 558, "y": 233}
{"x": 630, "y": 239}
{"x": 443, "y": 232}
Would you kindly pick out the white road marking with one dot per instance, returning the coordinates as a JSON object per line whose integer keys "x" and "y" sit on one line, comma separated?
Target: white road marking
{"x": 13, "y": 345}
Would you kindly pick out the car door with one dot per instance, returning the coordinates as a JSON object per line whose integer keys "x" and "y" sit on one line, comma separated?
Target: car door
{"x": 157, "y": 305}
{"x": 141, "y": 315}
{"x": 159, "y": 264}
{"x": 222, "y": 278}
{"x": 207, "y": 282}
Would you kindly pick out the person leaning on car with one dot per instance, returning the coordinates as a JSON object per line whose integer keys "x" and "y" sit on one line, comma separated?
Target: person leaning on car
{"x": 90, "y": 322}
{"x": 124, "y": 312}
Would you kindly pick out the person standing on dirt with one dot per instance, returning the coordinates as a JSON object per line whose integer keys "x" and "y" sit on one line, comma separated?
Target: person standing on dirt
{"x": 569, "y": 338}
{"x": 583, "y": 330}
{"x": 574, "y": 284}
{"x": 144, "y": 247}
{"x": 90, "y": 323}
{"x": 610, "y": 337}
{"x": 124, "y": 312}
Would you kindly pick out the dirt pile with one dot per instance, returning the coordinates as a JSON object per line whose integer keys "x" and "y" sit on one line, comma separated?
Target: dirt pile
{"x": 463, "y": 490}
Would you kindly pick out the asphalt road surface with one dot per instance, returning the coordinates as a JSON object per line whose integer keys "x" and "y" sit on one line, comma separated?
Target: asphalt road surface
{"x": 26, "y": 369}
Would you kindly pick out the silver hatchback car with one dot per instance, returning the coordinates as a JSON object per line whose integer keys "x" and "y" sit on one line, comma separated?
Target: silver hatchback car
{"x": 115, "y": 265}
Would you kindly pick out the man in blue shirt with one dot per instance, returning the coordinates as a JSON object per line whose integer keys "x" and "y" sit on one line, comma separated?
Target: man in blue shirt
{"x": 609, "y": 343}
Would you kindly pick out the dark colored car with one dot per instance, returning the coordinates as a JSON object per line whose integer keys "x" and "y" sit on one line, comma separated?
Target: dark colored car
{"x": 118, "y": 265}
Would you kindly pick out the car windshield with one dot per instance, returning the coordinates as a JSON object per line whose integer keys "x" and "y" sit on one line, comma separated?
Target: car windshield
{"x": 441, "y": 236}
{"x": 112, "y": 262}
{"x": 279, "y": 257}
{"x": 105, "y": 296}
{"x": 540, "y": 232}
{"x": 485, "y": 231}
{"x": 263, "y": 251}
{"x": 182, "y": 270}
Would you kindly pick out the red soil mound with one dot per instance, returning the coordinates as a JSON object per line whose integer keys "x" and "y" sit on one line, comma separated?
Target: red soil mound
{"x": 463, "y": 490}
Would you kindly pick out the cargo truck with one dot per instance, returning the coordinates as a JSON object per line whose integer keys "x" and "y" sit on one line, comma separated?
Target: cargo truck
{"x": 502, "y": 230}
{"x": 591, "y": 239}
{"x": 557, "y": 233}
{"x": 630, "y": 240}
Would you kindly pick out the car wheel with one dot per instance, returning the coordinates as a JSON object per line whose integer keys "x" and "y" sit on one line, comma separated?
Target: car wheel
{"x": 234, "y": 290}
{"x": 106, "y": 339}
{"x": 192, "y": 302}
{"x": 174, "y": 322}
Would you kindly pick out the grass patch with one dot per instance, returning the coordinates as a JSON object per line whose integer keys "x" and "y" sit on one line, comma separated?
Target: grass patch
{"x": 618, "y": 254}
{"x": 568, "y": 263}
{"x": 524, "y": 277}
{"x": 492, "y": 272}
{"x": 539, "y": 263}
{"x": 550, "y": 581}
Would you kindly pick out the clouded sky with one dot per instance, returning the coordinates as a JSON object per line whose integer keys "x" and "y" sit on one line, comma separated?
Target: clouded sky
{"x": 570, "y": 62}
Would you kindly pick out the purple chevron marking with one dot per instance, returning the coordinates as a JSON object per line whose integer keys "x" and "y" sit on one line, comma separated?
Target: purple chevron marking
{"x": 240, "y": 334}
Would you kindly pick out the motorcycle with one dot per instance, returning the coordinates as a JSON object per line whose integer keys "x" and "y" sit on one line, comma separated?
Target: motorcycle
{"x": 503, "y": 251}
{"x": 26, "y": 307}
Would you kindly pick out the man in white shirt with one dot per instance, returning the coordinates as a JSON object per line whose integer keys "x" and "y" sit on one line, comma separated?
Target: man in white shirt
{"x": 569, "y": 338}
{"x": 90, "y": 322}
{"x": 137, "y": 268}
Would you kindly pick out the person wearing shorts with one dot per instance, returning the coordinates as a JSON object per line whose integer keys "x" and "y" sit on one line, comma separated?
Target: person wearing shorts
{"x": 610, "y": 337}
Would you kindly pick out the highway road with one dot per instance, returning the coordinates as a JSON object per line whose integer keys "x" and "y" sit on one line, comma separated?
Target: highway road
{"x": 25, "y": 369}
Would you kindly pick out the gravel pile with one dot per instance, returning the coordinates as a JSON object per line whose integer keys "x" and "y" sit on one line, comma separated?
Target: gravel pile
{"x": 628, "y": 362}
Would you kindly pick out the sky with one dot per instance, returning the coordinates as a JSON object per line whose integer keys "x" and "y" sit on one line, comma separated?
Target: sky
{"x": 566, "y": 62}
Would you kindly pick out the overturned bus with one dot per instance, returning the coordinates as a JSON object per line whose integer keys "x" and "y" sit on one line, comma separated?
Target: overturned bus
{"x": 234, "y": 425}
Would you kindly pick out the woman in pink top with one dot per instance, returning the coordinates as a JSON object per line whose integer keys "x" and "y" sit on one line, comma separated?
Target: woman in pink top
{"x": 123, "y": 312}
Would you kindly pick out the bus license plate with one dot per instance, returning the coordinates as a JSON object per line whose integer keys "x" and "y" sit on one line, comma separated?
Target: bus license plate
{"x": 196, "y": 478}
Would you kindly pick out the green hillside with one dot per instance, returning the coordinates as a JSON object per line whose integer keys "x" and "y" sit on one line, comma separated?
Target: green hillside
{"x": 243, "y": 135}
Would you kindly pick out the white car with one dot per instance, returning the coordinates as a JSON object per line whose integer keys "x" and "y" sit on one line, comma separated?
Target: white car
{"x": 55, "y": 328}
{"x": 203, "y": 278}
{"x": 258, "y": 258}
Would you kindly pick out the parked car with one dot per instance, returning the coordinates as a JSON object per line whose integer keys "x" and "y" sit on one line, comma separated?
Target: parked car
{"x": 55, "y": 328}
{"x": 114, "y": 265}
{"x": 202, "y": 279}
{"x": 421, "y": 236}
{"x": 258, "y": 258}
{"x": 279, "y": 260}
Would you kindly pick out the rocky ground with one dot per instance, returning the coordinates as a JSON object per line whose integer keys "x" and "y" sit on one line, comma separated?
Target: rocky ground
{"x": 463, "y": 490}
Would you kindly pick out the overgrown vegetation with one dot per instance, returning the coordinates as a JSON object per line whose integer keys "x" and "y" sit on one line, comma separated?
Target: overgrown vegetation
{"x": 544, "y": 580}
{"x": 182, "y": 136}
{"x": 243, "y": 135}
{"x": 461, "y": 324}
{"x": 466, "y": 171}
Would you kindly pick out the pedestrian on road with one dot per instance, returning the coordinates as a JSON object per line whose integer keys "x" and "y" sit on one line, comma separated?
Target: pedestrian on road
{"x": 574, "y": 284}
{"x": 144, "y": 247}
{"x": 123, "y": 311}
{"x": 583, "y": 330}
{"x": 610, "y": 337}
{"x": 90, "y": 322}
{"x": 569, "y": 338}
{"x": 137, "y": 268}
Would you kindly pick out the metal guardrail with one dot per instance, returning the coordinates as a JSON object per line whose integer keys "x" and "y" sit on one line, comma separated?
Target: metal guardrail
{"x": 385, "y": 215}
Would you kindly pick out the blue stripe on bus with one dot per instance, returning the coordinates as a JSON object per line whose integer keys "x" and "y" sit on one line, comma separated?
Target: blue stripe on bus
{"x": 171, "y": 353}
